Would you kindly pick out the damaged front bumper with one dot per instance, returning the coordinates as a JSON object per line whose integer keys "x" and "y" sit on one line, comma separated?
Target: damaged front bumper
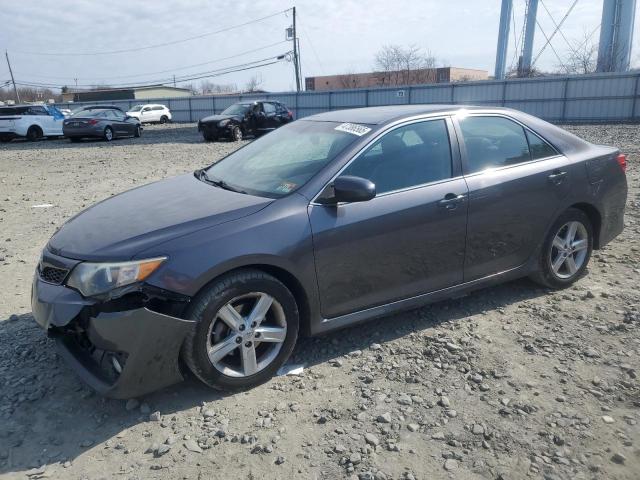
{"x": 120, "y": 354}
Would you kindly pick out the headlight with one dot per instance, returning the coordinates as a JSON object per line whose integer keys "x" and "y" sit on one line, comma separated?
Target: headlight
{"x": 97, "y": 278}
{"x": 223, "y": 123}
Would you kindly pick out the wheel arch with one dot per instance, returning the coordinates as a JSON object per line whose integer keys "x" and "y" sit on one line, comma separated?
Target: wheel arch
{"x": 287, "y": 278}
{"x": 594, "y": 217}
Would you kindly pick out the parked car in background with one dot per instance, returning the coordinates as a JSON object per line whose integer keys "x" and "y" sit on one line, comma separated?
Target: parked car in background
{"x": 30, "y": 121}
{"x": 107, "y": 123}
{"x": 150, "y": 113}
{"x": 245, "y": 118}
{"x": 328, "y": 221}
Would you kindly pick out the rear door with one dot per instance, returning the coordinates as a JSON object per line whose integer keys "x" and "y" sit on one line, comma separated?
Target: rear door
{"x": 120, "y": 126}
{"x": 410, "y": 238}
{"x": 516, "y": 180}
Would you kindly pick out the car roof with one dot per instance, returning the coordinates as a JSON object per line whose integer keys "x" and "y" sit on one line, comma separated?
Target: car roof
{"x": 384, "y": 114}
{"x": 99, "y": 107}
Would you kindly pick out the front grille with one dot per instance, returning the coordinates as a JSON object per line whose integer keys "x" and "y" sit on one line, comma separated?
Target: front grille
{"x": 53, "y": 275}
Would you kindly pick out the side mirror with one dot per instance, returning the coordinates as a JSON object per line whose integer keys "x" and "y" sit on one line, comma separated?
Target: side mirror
{"x": 348, "y": 188}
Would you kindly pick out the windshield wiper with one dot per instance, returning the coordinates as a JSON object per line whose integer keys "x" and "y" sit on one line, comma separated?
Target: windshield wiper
{"x": 202, "y": 175}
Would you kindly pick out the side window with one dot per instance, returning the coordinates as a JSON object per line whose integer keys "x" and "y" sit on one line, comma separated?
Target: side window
{"x": 538, "y": 147}
{"x": 269, "y": 108}
{"x": 493, "y": 142}
{"x": 37, "y": 111}
{"x": 412, "y": 155}
{"x": 158, "y": 107}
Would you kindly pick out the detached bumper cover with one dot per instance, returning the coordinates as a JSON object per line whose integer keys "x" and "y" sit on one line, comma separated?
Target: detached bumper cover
{"x": 144, "y": 344}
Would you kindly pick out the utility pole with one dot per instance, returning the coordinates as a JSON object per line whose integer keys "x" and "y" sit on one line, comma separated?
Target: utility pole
{"x": 524, "y": 67}
{"x": 295, "y": 51}
{"x": 15, "y": 89}
{"x": 503, "y": 39}
{"x": 174, "y": 81}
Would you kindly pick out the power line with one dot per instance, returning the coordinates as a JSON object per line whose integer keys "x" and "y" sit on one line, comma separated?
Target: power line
{"x": 158, "y": 45}
{"x": 186, "y": 67}
{"x": 195, "y": 76}
{"x": 306, "y": 36}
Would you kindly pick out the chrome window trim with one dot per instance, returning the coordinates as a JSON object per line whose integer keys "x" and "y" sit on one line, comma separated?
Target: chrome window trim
{"x": 392, "y": 126}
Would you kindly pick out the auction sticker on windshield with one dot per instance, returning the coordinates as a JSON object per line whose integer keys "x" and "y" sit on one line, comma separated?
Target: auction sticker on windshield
{"x": 353, "y": 128}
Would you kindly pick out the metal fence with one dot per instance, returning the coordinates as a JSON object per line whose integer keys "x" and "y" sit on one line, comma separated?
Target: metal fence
{"x": 604, "y": 97}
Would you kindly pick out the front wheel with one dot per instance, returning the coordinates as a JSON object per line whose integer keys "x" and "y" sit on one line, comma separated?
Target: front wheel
{"x": 246, "y": 328}
{"x": 566, "y": 250}
{"x": 236, "y": 134}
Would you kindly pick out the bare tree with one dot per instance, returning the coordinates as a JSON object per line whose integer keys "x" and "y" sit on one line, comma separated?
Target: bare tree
{"x": 350, "y": 80}
{"x": 398, "y": 65}
{"x": 207, "y": 87}
{"x": 582, "y": 57}
{"x": 254, "y": 83}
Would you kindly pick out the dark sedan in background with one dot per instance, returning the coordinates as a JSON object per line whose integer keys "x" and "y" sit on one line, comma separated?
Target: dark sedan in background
{"x": 100, "y": 122}
{"x": 245, "y": 118}
{"x": 334, "y": 219}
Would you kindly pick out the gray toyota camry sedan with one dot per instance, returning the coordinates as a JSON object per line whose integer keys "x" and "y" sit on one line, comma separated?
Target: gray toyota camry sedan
{"x": 330, "y": 220}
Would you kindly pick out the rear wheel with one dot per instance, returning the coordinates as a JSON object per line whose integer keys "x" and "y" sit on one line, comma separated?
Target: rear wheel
{"x": 164, "y": 119}
{"x": 138, "y": 132}
{"x": 108, "y": 134}
{"x": 566, "y": 250}
{"x": 34, "y": 133}
{"x": 247, "y": 326}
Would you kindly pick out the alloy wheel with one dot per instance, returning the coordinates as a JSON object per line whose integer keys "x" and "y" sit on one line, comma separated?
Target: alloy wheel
{"x": 108, "y": 134}
{"x": 246, "y": 334}
{"x": 569, "y": 249}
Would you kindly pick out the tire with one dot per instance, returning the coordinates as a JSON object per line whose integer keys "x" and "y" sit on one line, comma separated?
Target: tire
{"x": 138, "y": 132}
{"x": 236, "y": 134}
{"x": 108, "y": 134}
{"x": 555, "y": 249}
{"x": 75, "y": 139}
{"x": 164, "y": 119}
{"x": 5, "y": 139}
{"x": 34, "y": 133}
{"x": 241, "y": 289}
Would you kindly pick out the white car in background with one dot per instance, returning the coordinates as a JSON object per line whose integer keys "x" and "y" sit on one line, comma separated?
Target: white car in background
{"x": 30, "y": 121}
{"x": 150, "y": 113}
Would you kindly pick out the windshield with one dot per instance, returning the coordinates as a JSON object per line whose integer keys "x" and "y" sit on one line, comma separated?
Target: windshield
{"x": 136, "y": 108}
{"x": 236, "y": 109}
{"x": 282, "y": 161}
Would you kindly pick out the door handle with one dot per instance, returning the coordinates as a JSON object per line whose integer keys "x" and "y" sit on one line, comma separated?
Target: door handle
{"x": 557, "y": 177}
{"x": 451, "y": 201}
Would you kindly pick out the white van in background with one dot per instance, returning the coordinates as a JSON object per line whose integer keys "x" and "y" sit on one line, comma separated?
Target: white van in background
{"x": 150, "y": 113}
{"x": 30, "y": 121}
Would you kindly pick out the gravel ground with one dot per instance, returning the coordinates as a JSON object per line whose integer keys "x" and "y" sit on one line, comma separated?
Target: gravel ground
{"x": 509, "y": 382}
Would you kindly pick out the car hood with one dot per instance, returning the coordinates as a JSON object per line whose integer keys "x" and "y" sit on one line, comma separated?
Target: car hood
{"x": 121, "y": 226}
{"x": 217, "y": 118}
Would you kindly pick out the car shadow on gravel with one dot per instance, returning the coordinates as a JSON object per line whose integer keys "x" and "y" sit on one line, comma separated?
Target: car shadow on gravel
{"x": 48, "y": 416}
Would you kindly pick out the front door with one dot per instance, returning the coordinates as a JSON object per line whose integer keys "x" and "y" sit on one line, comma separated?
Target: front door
{"x": 408, "y": 240}
{"x": 516, "y": 181}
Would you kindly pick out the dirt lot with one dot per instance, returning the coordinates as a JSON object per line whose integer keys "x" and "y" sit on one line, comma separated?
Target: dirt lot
{"x": 509, "y": 382}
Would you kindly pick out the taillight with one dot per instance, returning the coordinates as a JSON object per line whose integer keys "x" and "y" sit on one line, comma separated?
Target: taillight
{"x": 93, "y": 121}
{"x": 622, "y": 161}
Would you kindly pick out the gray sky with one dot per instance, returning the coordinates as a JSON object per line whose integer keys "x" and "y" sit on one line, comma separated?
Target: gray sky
{"x": 336, "y": 36}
